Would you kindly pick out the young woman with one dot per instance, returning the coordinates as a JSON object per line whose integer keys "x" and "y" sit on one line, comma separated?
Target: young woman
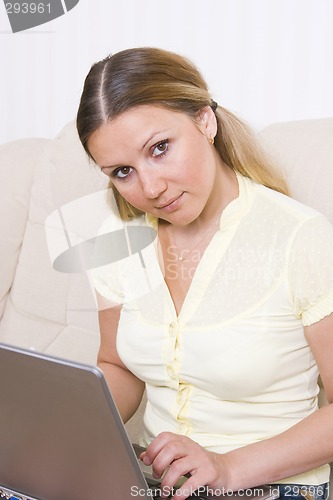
{"x": 230, "y": 335}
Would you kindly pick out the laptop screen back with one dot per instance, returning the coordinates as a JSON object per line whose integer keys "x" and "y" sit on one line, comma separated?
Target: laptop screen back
{"x": 61, "y": 437}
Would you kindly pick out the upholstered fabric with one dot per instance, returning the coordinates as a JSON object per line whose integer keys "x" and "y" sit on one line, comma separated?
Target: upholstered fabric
{"x": 46, "y": 310}
{"x": 304, "y": 151}
{"x": 17, "y": 166}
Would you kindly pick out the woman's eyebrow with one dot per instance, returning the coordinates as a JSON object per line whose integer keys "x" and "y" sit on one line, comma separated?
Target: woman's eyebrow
{"x": 109, "y": 166}
{"x": 152, "y": 137}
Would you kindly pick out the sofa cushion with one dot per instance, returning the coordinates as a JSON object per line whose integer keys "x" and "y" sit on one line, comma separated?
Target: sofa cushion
{"x": 57, "y": 309}
{"x": 304, "y": 150}
{"x": 17, "y": 166}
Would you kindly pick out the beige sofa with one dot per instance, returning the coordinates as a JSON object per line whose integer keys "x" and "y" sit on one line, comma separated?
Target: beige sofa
{"x": 54, "y": 312}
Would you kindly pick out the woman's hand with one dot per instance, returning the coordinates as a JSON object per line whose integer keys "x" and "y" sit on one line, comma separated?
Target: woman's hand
{"x": 179, "y": 456}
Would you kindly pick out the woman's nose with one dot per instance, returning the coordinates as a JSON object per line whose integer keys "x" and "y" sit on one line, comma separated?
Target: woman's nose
{"x": 153, "y": 184}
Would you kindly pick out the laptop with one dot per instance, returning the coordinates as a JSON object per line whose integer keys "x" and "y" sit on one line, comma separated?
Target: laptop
{"x": 62, "y": 438}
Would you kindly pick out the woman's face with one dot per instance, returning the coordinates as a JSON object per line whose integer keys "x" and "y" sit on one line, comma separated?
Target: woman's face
{"x": 161, "y": 161}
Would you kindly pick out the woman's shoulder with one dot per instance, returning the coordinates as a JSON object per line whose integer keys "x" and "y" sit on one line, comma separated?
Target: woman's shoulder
{"x": 287, "y": 205}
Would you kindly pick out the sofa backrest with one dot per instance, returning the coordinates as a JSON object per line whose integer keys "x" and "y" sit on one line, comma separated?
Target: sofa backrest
{"x": 45, "y": 310}
{"x": 17, "y": 167}
{"x": 304, "y": 150}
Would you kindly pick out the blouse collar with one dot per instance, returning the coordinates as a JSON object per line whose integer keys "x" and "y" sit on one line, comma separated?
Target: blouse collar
{"x": 240, "y": 205}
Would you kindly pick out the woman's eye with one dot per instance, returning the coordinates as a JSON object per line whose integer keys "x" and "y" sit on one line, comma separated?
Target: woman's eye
{"x": 122, "y": 172}
{"x": 160, "y": 148}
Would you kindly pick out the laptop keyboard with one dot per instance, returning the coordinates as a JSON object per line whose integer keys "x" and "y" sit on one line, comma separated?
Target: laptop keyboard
{"x": 11, "y": 496}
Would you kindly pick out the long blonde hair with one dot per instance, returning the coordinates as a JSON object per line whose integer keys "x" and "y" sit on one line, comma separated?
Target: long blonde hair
{"x": 142, "y": 76}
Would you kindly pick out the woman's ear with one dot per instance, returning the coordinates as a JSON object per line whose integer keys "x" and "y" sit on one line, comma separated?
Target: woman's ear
{"x": 206, "y": 121}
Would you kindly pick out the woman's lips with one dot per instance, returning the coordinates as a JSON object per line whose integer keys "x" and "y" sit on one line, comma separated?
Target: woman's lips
{"x": 171, "y": 205}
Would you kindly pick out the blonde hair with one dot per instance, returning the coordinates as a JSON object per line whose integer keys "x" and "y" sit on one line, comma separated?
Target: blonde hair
{"x": 142, "y": 76}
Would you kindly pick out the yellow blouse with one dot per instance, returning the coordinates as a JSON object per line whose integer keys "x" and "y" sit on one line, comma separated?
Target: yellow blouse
{"x": 234, "y": 366}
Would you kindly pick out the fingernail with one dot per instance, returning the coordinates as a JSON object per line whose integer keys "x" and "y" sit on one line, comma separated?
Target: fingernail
{"x": 146, "y": 460}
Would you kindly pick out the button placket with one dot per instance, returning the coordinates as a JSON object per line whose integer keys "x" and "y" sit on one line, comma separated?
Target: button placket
{"x": 171, "y": 372}
{"x": 182, "y": 402}
{"x": 173, "y": 329}
{"x": 171, "y": 345}
{"x": 182, "y": 394}
{"x": 183, "y": 428}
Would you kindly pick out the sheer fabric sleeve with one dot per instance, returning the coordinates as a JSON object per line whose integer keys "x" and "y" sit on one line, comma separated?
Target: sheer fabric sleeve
{"x": 311, "y": 270}
{"x": 106, "y": 280}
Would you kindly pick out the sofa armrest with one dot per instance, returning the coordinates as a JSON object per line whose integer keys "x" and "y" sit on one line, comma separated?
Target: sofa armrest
{"x": 17, "y": 166}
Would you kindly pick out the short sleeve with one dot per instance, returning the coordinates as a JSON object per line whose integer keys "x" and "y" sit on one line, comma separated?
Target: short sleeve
{"x": 107, "y": 282}
{"x": 311, "y": 270}
{"x": 133, "y": 269}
